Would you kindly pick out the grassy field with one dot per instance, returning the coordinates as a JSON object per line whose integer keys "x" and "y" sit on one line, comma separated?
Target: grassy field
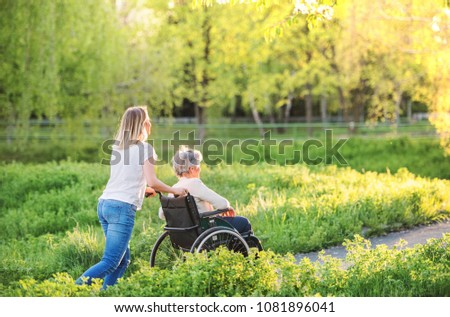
{"x": 49, "y": 226}
{"x": 372, "y": 148}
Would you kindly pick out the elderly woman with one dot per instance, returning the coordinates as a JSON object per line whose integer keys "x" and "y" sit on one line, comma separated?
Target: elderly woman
{"x": 186, "y": 165}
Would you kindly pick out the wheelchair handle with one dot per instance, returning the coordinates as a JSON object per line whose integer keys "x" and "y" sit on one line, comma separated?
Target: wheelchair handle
{"x": 148, "y": 195}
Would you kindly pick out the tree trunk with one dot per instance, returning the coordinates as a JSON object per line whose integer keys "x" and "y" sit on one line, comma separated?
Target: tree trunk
{"x": 357, "y": 109}
{"x": 323, "y": 108}
{"x": 255, "y": 114}
{"x": 269, "y": 111}
{"x": 201, "y": 121}
{"x": 287, "y": 112}
{"x": 201, "y": 109}
{"x": 308, "y": 109}
{"x": 409, "y": 110}
{"x": 343, "y": 104}
{"x": 397, "y": 108}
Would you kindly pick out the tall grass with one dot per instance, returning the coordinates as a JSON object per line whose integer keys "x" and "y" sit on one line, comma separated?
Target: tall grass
{"x": 49, "y": 222}
{"x": 298, "y": 209}
{"x": 36, "y": 199}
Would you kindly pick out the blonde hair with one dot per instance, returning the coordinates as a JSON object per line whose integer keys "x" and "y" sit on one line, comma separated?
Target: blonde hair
{"x": 185, "y": 158}
{"x": 131, "y": 129}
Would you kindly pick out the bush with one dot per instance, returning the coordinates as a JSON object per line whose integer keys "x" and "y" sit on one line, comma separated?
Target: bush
{"x": 26, "y": 259}
{"x": 419, "y": 271}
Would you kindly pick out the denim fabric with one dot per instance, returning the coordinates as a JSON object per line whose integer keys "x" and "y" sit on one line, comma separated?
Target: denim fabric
{"x": 240, "y": 223}
{"x": 117, "y": 220}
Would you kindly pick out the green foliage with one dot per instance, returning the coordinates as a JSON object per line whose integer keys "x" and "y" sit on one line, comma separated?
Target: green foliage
{"x": 364, "y": 152}
{"x": 77, "y": 250}
{"x": 220, "y": 274}
{"x": 59, "y": 58}
{"x": 331, "y": 203}
{"x": 83, "y": 148}
{"x": 52, "y": 226}
{"x": 419, "y": 271}
{"x": 75, "y": 60}
{"x": 391, "y": 154}
{"x": 49, "y": 198}
{"x": 328, "y": 203}
{"x": 39, "y": 258}
{"x": 28, "y": 258}
{"x": 60, "y": 285}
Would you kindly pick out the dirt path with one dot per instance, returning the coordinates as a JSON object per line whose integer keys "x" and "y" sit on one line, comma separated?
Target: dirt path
{"x": 417, "y": 235}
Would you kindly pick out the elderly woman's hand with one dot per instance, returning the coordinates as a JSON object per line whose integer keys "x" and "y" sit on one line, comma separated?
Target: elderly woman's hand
{"x": 229, "y": 213}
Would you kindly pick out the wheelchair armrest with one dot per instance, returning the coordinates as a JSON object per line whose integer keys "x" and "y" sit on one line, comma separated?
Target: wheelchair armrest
{"x": 213, "y": 213}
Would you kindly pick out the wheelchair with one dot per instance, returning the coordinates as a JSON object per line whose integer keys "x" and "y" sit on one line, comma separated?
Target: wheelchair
{"x": 187, "y": 230}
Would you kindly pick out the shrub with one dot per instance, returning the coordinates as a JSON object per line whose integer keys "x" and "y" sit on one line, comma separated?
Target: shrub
{"x": 419, "y": 271}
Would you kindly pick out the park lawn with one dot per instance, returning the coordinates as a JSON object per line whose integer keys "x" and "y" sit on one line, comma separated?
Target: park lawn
{"x": 49, "y": 224}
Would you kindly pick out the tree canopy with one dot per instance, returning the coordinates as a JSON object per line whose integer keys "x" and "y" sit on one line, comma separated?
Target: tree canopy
{"x": 365, "y": 60}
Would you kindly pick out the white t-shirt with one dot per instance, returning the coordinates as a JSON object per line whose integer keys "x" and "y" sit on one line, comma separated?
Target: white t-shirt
{"x": 205, "y": 198}
{"x": 127, "y": 181}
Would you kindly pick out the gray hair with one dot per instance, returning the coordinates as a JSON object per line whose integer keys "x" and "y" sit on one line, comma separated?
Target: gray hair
{"x": 185, "y": 158}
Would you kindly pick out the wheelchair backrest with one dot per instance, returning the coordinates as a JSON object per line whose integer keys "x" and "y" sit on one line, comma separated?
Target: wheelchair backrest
{"x": 182, "y": 219}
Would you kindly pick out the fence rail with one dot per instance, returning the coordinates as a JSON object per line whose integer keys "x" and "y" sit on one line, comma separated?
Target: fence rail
{"x": 95, "y": 130}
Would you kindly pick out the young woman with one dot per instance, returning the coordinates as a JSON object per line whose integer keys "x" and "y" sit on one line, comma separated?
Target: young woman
{"x": 131, "y": 168}
{"x": 186, "y": 165}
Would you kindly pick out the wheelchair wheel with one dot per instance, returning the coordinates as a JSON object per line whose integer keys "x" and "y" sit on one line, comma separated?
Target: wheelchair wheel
{"x": 253, "y": 242}
{"x": 164, "y": 254}
{"x": 212, "y": 239}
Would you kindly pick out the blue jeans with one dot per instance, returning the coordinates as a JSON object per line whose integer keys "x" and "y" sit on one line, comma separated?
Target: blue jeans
{"x": 240, "y": 223}
{"x": 117, "y": 220}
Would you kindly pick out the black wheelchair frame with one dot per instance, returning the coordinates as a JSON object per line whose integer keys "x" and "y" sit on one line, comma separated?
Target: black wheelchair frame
{"x": 187, "y": 230}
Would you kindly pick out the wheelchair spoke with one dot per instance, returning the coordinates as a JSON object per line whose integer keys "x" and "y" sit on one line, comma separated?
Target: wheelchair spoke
{"x": 236, "y": 245}
{"x": 227, "y": 238}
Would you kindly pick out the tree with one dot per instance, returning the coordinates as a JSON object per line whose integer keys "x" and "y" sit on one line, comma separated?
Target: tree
{"x": 247, "y": 67}
{"x": 191, "y": 34}
{"x": 303, "y": 55}
{"x": 59, "y": 58}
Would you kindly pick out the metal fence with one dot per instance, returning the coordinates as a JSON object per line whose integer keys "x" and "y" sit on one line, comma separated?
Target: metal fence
{"x": 44, "y": 130}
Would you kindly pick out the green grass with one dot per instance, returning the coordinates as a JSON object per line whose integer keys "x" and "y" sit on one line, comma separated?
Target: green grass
{"x": 423, "y": 157}
{"x": 377, "y": 149}
{"x": 50, "y": 232}
{"x": 49, "y": 223}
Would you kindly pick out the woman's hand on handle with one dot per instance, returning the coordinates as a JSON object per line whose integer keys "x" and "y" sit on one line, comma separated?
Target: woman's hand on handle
{"x": 150, "y": 192}
{"x": 179, "y": 191}
{"x": 156, "y": 184}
